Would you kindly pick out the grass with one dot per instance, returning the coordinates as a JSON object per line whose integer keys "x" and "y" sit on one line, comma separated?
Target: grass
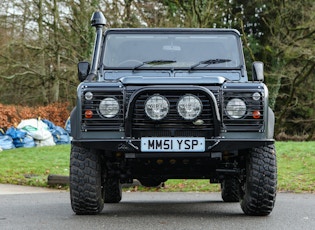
{"x": 31, "y": 166}
{"x": 296, "y": 166}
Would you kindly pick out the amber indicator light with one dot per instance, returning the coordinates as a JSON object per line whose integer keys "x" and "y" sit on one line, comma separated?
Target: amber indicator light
{"x": 88, "y": 114}
{"x": 256, "y": 114}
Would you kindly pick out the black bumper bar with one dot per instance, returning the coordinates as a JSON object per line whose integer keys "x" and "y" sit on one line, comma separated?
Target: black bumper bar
{"x": 134, "y": 146}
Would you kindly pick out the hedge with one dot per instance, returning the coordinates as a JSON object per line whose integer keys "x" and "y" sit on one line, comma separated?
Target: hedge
{"x": 12, "y": 115}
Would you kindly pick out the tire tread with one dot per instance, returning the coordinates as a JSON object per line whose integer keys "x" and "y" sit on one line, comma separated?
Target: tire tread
{"x": 261, "y": 182}
{"x": 85, "y": 181}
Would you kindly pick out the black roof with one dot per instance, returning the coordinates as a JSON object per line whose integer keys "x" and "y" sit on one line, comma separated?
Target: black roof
{"x": 176, "y": 30}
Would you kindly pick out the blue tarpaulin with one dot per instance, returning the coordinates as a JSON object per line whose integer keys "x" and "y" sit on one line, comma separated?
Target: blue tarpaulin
{"x": 21, "y": 137}
{"x": 6, "y": 142}
{"x": 61, "y": 136}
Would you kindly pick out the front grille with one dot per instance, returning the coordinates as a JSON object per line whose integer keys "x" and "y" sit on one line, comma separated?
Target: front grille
{"x": 173, "y": 124}
{"x": 98, "y": 122}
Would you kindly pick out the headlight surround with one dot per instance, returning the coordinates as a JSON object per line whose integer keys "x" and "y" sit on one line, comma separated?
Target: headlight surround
{"x": 109, "y": 107}
{"x": 189, "y": 107}
{"x": 236, "y": 108}
{"x": 156, "y": 107}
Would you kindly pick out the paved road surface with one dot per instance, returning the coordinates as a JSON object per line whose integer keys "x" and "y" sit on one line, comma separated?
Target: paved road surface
{"x": 29, "y": 208}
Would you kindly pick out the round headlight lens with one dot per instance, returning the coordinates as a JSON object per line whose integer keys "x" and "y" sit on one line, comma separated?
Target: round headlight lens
{"x": 236, "y": 108}
{"x": 156, "y": 107}
{"x": 189, "y": 107}
{"x": 109, "y": 107}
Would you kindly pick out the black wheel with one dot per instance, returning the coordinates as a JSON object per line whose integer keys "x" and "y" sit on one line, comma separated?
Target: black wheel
{"x": 113, "y": 190}
{"x": 230, "y": 190}
{"x": 86, "y": 193}
{"x": 259, "y": 187}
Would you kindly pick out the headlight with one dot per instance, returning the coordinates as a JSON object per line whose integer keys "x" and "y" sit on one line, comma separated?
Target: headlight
{"x": 109, "y": 107}
{"x": 189, "y": 107}
{"x": 156, "y": 107}
{"x": 236, "y": 108}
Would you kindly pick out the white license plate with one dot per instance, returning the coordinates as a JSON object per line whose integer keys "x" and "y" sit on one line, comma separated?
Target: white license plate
{"x": 172, "y": 144}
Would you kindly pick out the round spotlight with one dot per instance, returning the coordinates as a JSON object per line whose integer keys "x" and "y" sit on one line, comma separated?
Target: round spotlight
{"x": 189, "y": 107}
{"x": 156, "y": 107}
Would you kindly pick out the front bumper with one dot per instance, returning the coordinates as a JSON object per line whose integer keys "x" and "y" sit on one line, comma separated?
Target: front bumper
{"x": 134, "y": 145}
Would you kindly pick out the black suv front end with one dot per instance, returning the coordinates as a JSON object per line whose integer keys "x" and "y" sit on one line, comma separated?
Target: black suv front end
{"x": 215, "y": 122}
{"x": 159, "y": 104}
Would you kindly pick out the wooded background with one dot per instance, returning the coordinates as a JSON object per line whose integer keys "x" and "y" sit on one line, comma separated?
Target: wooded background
{"x": 41, "y": 42}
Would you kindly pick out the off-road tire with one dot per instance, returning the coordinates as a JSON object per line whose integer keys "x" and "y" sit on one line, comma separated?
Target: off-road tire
{"x": 260, "y": 184}
{"x": 113, "y": 190}
{"x": 230, "y": 190}
{"x": 86, "y": 193}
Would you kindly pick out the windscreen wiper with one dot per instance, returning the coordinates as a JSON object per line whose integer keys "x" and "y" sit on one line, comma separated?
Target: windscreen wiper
{"x": 154, "y": 62}
{"x": 209, "y": 62}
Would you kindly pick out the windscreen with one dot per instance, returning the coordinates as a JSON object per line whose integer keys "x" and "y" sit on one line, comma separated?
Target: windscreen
{"x": 128, "y": 50}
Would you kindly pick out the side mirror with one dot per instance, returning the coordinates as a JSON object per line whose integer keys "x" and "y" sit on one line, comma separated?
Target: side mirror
{"x": 83, "y": 70}
{"x": 258, "y": 71}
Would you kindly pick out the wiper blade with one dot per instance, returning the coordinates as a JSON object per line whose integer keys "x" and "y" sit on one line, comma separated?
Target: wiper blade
{"x": 154, "y": 62}
{"x": 209, "y": 62}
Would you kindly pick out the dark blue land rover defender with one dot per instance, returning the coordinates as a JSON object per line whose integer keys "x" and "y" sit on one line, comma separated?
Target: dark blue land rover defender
{"x": 158, "y": 104}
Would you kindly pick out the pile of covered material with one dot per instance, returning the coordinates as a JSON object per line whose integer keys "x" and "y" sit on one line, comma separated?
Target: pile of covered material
{"x": 33, "y": 132}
